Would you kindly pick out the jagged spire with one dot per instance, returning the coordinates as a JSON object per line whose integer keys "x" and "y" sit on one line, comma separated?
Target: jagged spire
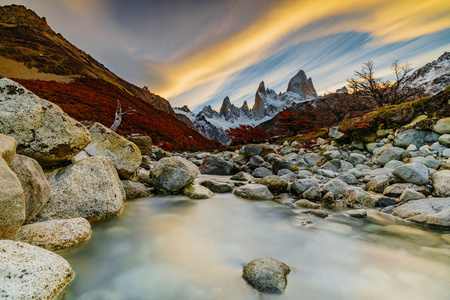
{"x": 302, "y": 85}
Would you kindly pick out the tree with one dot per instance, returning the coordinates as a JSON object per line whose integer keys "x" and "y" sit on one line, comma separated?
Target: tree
{"x": 288, "y": 119}
{"x": 245, "y": 134}
{"x": 118, "y": 117}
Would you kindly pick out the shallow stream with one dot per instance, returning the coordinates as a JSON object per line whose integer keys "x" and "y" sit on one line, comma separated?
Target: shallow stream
{"x": 170, "y": 247}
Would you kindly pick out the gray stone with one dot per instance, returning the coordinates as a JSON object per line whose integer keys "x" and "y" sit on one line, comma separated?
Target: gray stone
{"x": 289, "y": 177}
{"x": 12, "y": 202}
{"x": 34, "y": 184}
{"x": 356, "y": 158}
{"x": 409, "y": 194}
{"x": 316, "y": 212}
{"x": 395, "y": 190}
{"x": 429, "y": 162}
{"x": 358, "y": 144}
{"x": 274, "y": 183}
{"x": 313, "y": 193}
{"x": 348, "y": 178}
{"x": 171, "y": 174}
{"x": 443, "y": 140}
{"x": 81, "y": 155}
{"x": 240, "y": 160}
{"x": 278, "y": 164}
{"x": 197, "y": 192}
{"x": 255, "y": 162}
{"x": 303, "y": 203}
{"x": 8, "y": 146}
{"x": 446, "y": 153}
{"x": 390, "y": 153}
{"x": 442, "y": 126}
{"x": 267, "y": 275}
{"x": 372, "y": 146}
{"x": 436, "y": 147}
{"x": 335, "y": 134}
{"x": 413, "y": 173}
{"x": 284, "y": 172}
{"x": 393, "y": 164}
{"x": 90, "y": 188}
{"x": 242, "y": 176}
{"x": 303, "y": 174}
{"x": 251, "y": 150}
{"x": 378, "y": 184}
{"x": 261, "y": 172}
{"x": 42, "y": 130}
{"x": 418, "y": 138}
{"x": 300, "y": 186}
{"x": 357, "y": 197}
{"x": 358, "y": 213}
{"x": 326, "y": 173}
{"x": 215, "y": 165}
{"x": 30, "y": 272}
{"x": 143, "y": 175}
{"x": 125, "y": 155}
{"x": 56, "y": 234}
{"x": 441, "y": 183}
{"x": 336, "y": 186}
{"x": 253, "y": 192}
{"x": 135, "y": 190}
{"x": 218, "y": 187}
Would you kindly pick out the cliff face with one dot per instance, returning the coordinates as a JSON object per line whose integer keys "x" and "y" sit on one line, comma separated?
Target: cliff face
{"x": 302, "y": 85}
{"x": 27, "y": 39}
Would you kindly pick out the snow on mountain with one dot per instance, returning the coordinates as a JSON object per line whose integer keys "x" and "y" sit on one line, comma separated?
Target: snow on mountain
{"x": 434, "y": 76}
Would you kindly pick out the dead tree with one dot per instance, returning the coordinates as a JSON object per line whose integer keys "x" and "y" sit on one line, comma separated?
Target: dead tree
{"x": 119, "y": 114}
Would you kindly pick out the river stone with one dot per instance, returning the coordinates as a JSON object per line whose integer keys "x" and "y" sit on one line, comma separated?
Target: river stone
{"x": 356, "y": 158}
{"x": 34, "y": 183}
{"x": 397, "y": 189}
{"x": 253, "y": 192}
{"x": 255, "y": 162}
{"x": 125, "y": 155}
{"x": 142, "y": 141}
{"x": 431, "y": 211}
{"x": 143, "y": 175}
{"x": 251, "y": 150}
{"x": 442, "y": 126}
{"x": 378, "y": 184}
{"x": 56, "y": 234}
{"x": 427, "y": 161}
{"x": 411, "y": 234}
{"x": 215, "y": 165}
{"x": 390, "y": 153}
{"x": 30, "y": 272}
{"x": 335, "y": 134}
{"x": 441, "y": 183}
{"x": 300, "y": 186}
{"x": 278, "y": 164}
{"x": 418, "y": 138}
{"x": 89, "y": 188}
{"x": 267, "y": 275}
{"x": 357, "y": 197}
{"x": 336, "y": 186}
{"x": 261, "y": 172}
{"x": 242, "y": 176}
{"x": 171, "y": 174}
{"x": 12, "y": 203}
{"x": 135, "y": 190}
{"x": 313, "y": 193}
{"x": 413, "y": 173}
{"x": 274, "y": 183}
{"x": 443, "y": 140}
{"x": 409, "y": 194}
{"x": 8, "y": 146}
{"x": 393, "y": 164}
{"x": 348, "y": 178}
{"x": 357, "y": 213}
{"x": 42, "y": 130}
{"x": 218, "y": 187}
{"x": 315, "y": 212}
{"x": 303, "y": 203}
{"x": 197, "y": 192}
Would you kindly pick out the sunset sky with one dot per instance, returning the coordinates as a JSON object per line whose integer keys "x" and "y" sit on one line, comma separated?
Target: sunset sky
{"x": 197, "y": 52}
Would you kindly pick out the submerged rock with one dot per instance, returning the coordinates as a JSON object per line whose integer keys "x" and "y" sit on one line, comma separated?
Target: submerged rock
{"x": 267, "y": 275}
{"x": 56, "y": 234}
{"x": 254, "y": 192}
{"x": 30, "y": 272}
{"x": 218, "y": 187}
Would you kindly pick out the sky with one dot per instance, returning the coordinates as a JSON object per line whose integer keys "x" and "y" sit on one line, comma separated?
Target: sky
{"x": 197, "y": 52}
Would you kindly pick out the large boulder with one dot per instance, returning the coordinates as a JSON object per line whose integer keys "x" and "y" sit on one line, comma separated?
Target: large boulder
{"x": 415, "y": 137}
{"x": 253, "y": 192}
{"x": 89, "y": 188}
{"x": 432, "y": 211}
{"x": 56, "y": 234}
{"x": 357, "y": 197}
{"x": 442, "y": 126}
{"x": 42, "y": 130}
{"x": 218, "y": 186}
{"x": 274, "y": 183}
{"x": 267, "y": 275}
{"x": 12, "y": 202}
{"x": 441, "y": 183}
{"x": 215, "y": 165}
{"x": 34, "y": 183}
{"x": 171, "y": 174}
{"x": 30, "y": 272}
{"x": 413, "y": 173}
{"x": 8, "y": 146}
{"x": 142, "y": 141}
{"x": 125, "y": 155}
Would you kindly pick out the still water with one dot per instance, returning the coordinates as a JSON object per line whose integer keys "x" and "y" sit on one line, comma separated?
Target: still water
{"x": 170, "y": 247}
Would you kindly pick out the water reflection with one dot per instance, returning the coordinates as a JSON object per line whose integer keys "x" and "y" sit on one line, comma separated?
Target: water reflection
{"x": 174, "y": 248}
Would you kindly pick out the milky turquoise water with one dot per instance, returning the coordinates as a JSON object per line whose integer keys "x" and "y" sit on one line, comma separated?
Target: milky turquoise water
{"x": 171, "y": 247}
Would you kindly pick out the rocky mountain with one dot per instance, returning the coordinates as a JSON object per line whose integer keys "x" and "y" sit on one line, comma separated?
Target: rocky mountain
{"x": 267, "y": 104}
{"x": 47, "y": 64}
{"x": 434, "y": 76}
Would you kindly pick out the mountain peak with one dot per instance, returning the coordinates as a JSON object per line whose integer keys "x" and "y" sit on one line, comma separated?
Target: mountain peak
{"x": 19, "y": 15}
{"x": 302, "y": 85}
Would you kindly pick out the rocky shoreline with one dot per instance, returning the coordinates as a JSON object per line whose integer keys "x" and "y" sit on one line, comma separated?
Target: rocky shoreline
{"x": 58, "y": 175}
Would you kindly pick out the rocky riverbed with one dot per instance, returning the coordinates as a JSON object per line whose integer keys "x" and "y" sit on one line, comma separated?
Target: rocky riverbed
{"x": 59, "y": 177}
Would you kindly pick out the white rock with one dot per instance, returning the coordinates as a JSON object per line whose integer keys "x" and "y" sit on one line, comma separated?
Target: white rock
{"x": 8, "y": 146}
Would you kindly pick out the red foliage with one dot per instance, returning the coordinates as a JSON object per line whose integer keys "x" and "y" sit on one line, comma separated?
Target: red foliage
{"x": 291, "y": 122}
{"x": 245, "y": 134}
{"x": 95, "y": 100}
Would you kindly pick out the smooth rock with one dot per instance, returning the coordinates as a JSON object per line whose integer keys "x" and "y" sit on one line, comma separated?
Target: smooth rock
{"x": 56, "y": 234}
{"x": 443, "y": 140}
{"x": 409, "y": 194}
{"x": 8, "y": 146}
{"x": 90, "y": 188}
{"x": 135, "y": 190}
{"x": 393, "y": 164}
{"x": 261, "y": 172}
{"x": 336, "y": 186}
{"x": 254, "y": 192}
{"x": 303, "y": 203}
{"x": 378, "y": 184}
{"x": 357, "y": 213}
{"x": 274, "y": 183}
{"x": 42, "y": 130}
{"x": 171, "y": 174}
{"x": 418, "y": 138}
{"x": 218, "y": 187}
{"x": 12, "y": 202}
{"x": 215, "y": 165}
{"x": 413, "y": 173}
{"x": 442, "y": 126}
{"x": 313, "y": 193}
{"x": 267, "y": 275}
{"x": 429, "y": 162}
{"x": 390, "y": 153}
{"x": 242, "y": 176}
{"x": 395, "y": 190}
{"x": 441, "y": 183}
{"x": 125, "y": 155}
{"x": 300, "y": 186}
{"x": 357, "y": 197}
{"x": 142, "y": 141}
{"x": 30, "y": 272}
{"x": 197, "y": 192}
